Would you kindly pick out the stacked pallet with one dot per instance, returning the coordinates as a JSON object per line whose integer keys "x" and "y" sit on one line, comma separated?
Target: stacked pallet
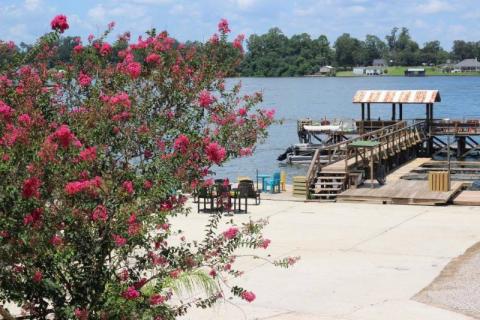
{"x": 300, "y": 186}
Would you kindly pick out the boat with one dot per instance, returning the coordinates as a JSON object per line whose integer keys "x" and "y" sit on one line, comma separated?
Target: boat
{"x": 313, "y": 135}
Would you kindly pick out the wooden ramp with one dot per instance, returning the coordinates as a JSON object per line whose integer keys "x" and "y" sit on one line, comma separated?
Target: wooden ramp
{"x": 468, "y": 198}
{"x": 401, "y": 192}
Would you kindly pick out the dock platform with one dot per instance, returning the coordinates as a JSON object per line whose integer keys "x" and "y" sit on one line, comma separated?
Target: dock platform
{"x": 401, "y": 192}
{"x": 468, "y": 198}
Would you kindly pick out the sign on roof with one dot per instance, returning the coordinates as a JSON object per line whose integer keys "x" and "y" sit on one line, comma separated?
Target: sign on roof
{"x": 397, "y": 96}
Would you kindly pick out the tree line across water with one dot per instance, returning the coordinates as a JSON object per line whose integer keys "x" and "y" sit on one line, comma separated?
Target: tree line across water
{"x": 274, "y": 54}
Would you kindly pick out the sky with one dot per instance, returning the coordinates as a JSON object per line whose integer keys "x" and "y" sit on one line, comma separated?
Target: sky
{"x": 26, "y": 20}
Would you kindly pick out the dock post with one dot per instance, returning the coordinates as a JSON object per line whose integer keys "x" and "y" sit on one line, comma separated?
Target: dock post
{"x": 368, "y": 111}
{"x": 393, "y": 111}
{"x": 363, "y": 111}
{"x": 461, "y": 142}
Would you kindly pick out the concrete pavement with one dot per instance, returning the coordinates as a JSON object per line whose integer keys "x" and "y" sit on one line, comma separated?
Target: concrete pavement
{"x": 359, "y": 261}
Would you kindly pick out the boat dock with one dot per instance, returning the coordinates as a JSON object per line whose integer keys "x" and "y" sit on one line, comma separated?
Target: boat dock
{"x": 357, "y": 169}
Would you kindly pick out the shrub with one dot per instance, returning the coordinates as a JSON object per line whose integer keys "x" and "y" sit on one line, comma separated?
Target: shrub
{"x": 93, "y": 151}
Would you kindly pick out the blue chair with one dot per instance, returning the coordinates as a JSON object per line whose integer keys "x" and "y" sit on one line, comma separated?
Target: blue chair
{"x": 274, "y": 184}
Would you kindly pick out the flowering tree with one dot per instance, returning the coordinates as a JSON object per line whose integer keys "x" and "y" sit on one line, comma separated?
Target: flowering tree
{"x": 92, "y": 153}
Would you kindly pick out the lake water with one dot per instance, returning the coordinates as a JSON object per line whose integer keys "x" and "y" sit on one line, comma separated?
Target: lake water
{"x": 315, "y": 98}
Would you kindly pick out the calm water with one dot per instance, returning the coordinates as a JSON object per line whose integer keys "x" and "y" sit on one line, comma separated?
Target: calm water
{"x": 296, "y": 98}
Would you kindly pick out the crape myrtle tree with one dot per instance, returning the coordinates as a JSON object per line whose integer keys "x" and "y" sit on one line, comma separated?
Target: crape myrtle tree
{"x": 92, "y": 155}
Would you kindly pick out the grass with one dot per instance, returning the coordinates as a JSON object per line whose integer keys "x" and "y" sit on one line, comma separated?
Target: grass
{"x": 399, "y": 71}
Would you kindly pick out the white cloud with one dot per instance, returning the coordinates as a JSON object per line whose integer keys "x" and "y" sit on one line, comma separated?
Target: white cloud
{"x": 356, "y": 9}
{"x": 97, "y": 13}
{"x": 17, "y": 31}
{"x": 32, "y": 5}
{"x": 245, "y": 4}
{"x": 434, "y": 6}
{"x": 304, "y": 12}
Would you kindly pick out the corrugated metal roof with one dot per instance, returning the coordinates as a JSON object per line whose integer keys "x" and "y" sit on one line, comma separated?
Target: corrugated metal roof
{"x": 397, "y": 96}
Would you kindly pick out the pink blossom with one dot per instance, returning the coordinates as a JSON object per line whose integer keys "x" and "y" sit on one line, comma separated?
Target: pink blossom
{"x": 111, "y": 25}
{"x": 153, "y": 58}
{"x": 223, "y": 26}
{"x": 215, "y": 153}
{"x": 33, "y": 217}
{"x": 59, "y": 23}
{"x": 248, "y": 296}
{"x": 134, "y": 69}
{"x": 31, "y": 188}
{"x": 213, "y": 273}
{"x": 128, "y": 186}
{"x": 75, "y": 187}
{"x": 230, "y": 233}
{"x": 237, "y": 43}
{"x": 214, "y": 39}
{"x": 205, "y": 99}
{"x": 88, "y": 154}
{"x": 84, "y": 79}
{"x": 81, "y": 314}
{"x": 65, "y": 136}
{"x": 100, "y": 213}
{"x": 25, "y": 119}
{"x": 105, "y": 49}
{"x": 147, "y": 184}
{"x": 56, "y": 240}
{"x": 37, "y": 277}
{"x": 78, "y": 49}
{"x": 130, "y": 294}
{"x": 119, "y": 240}
{"x": 5, "y": 111}
{"x": 181, "y": 143}
{"x": 157, "y": 299}
{"x": 265, "y": 243}
{"x": 270, "y": 113}
{"x": 242, "y": 112}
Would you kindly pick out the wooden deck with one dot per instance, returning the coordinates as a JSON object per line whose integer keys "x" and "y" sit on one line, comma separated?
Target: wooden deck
{"x": 468, "y": 198}
{"x": 401, "y": 192}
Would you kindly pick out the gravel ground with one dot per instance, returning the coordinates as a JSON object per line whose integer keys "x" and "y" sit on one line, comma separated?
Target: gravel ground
{"x": 457, "y": 288}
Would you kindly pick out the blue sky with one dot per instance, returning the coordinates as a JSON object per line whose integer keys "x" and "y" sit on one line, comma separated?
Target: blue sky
{"x": 25, "y": 20}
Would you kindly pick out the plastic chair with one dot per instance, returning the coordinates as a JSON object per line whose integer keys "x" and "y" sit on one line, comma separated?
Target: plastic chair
{"x": 274, "y": 183}
{"x": 283, "y": 180}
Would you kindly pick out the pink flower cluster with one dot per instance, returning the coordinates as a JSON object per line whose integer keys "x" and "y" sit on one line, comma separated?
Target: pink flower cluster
{"x": 88, "y": 154}
{"x": 5, "y": 111}
{"x": 205, "y": 99}
{"x": 248, "y": 296}
{"x": 181, "y": 143}
{"x": 31, "y": 188}
{"x": 223, "y": 26}
{"x": 75, "y": 187}
{"x": 33, "y": 217}
{"x": 119, "y": 240}
{"x": 64, "y": 136}
{"x": 59, "y": 23}
{"x": 237, "y": 43}
{"x": 157, "y": 299}
{"x": 215, "y": 153}
{"x": 230, "y": 233}
{"x": 128, "y": 187}
{"x": 130, "y": 294}
{"x": 153, "y": 58}
{"x": 100, "y": 213}
{"x": 84, "y": 79}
